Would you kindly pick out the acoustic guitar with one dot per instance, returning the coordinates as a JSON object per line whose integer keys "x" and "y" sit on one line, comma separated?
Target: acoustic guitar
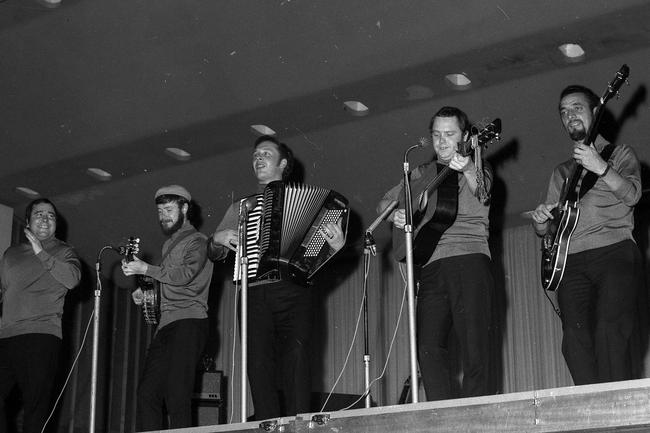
{"x": 555, "y": 243}
{"x": 435, "y": 201}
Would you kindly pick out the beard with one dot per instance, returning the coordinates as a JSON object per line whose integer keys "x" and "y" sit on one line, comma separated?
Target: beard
{"x": 578, "y": 134}
{"x": 174, "y": 227}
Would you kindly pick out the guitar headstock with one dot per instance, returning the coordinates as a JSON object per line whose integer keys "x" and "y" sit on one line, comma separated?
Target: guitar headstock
{"x": 132, "y": 247}
{"x": 614, "y": 86}
{"x": 488, "y": 133}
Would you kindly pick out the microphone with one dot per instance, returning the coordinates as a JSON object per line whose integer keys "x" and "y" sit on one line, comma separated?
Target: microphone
{"x": 246, "y": 206}
{"x": 250, "y": 203}
{"x": 384, "y": 214}
{"x": 368, "y": 239}
{"x": 121, "y": 250}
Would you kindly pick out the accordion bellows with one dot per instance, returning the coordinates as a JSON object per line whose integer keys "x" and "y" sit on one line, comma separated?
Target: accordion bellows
{"x": 282, "y": 231}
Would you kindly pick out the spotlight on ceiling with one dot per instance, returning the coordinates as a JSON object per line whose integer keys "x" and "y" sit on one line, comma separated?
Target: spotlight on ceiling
{"x": 356, "y": 108}
{"x": 99, "y": 174}
{"x": 27, "y": 192}
{"x": 178, "y": 154}
{"x": 49, "y": 3}
{"x": 572, "y": 52}
{"x": 458, "y": 81}
{"x": 262, "y": 130}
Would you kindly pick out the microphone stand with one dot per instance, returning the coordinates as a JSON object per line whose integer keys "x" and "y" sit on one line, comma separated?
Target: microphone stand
{"x": 93, "y": 373}
{"x": 410, "y": 280}
{"x": 368, "y": 248}
{"x": 243, "y": 271}
{"x": 95, "y": 351}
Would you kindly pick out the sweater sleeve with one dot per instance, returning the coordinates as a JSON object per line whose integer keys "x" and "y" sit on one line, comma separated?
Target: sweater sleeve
{"x": 63, "y": 265}
{"x": 219, "y": 252}
{"x": 627, "y": 165}
{"x": 181, "y": 273}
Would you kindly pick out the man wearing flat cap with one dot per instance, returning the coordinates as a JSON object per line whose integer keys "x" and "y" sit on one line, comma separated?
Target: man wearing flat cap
{"x": 184, "y": 275}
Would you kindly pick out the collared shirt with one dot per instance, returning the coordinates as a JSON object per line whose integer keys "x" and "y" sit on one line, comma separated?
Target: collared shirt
{"x": 606, "y": 215}
{"x": 470, "y": 230}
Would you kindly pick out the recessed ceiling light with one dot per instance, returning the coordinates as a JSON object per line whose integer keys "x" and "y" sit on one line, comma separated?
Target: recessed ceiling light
{"x": 99, "y": 174}
{"x": 355, "y": 108}
{"x": 178, "y": 154}
{"x": 262, "y": 130}
{"x": 572, "y": 51}
{"x": 458, "y": 81}
{"x": 27, "y": 192}
{"x": 50, "y": 3}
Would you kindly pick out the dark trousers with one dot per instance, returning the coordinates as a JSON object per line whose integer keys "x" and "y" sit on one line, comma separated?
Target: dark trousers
{"x": 279, "y": 330}
{"x": 597, "y": 298}
{"x": 169, "y": 374}
{"x": 29, "y": 361}
{"x": 455, "y": 293}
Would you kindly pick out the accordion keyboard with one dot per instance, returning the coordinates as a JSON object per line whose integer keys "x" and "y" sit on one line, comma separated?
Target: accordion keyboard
{"x": 252, "y": 235}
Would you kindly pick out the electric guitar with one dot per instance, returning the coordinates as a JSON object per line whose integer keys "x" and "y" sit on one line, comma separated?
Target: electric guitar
{"x": 436, "y": 201}
{"x": 150, "y": 289}
{"x": 555, "y": 243}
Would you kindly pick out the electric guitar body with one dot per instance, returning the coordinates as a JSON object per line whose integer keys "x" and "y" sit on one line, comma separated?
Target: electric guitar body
{"x": 556, "y": 247}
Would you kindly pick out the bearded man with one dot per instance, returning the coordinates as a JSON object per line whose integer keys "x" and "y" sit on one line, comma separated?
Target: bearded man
{"x": 603, "y": 270}
{"x": 184, "y": 276}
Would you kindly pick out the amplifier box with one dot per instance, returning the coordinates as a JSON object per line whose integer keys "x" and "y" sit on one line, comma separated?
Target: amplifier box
{"x": 205, "y": 412}
{"x": 208, "y": 386}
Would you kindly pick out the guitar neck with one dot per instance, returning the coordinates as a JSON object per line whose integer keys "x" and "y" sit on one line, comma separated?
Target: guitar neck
{"x": 589, "y": 140}
{"x": 440, "y": 177}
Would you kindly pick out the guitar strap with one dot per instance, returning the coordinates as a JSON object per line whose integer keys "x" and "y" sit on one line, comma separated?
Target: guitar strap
{"x": 176, "y": 241}
{"x": 590, "y": 178}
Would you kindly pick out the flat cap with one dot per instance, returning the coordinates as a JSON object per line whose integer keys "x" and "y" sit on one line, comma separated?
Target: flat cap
{"x": 174, "y": 190}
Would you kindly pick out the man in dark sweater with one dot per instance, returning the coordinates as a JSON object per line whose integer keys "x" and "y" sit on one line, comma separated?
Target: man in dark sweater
{"x": 35, "y": 279}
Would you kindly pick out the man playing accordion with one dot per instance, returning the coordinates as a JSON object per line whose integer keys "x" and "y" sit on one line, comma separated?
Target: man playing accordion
{"x": 279, "y": 310}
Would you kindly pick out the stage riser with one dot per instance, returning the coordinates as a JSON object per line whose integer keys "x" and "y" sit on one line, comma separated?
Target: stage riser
{"x": 620, "y": 407}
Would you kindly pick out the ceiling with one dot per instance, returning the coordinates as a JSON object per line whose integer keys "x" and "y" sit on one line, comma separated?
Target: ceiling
{"x": 95, "y": 83}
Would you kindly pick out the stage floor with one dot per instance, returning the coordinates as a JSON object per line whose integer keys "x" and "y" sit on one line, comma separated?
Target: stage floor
{"x": 617, "y": 406}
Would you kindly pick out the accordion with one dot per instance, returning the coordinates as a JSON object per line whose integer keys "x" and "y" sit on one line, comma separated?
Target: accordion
{"x": 282, "y": 231}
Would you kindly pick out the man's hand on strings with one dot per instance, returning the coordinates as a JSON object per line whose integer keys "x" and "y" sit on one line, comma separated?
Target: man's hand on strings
{"x": 460, "y": 163}
{"x": 589, "y": 158}
{"x": 134, "y": 267}
{"x": 399, "y": 218}
{"x": 138, "y": 296}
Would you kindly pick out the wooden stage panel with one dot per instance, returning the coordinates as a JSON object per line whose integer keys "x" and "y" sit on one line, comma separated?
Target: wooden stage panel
{"x": 603, "y": 406}
{"x": 618, "y": 406}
